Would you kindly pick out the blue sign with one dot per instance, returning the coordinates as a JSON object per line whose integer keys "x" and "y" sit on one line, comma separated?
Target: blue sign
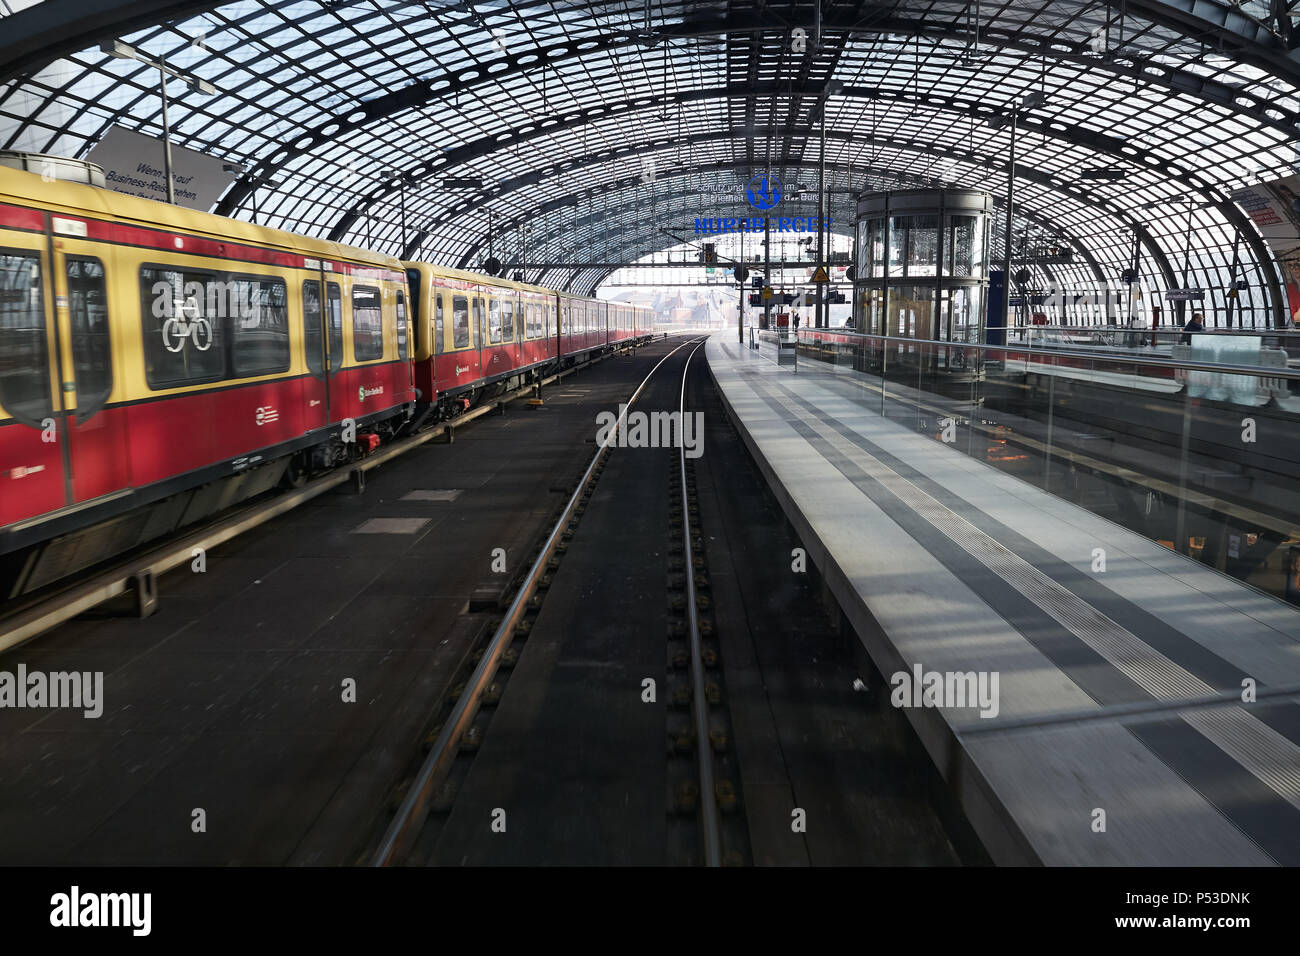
{"x": 763, "y": 192}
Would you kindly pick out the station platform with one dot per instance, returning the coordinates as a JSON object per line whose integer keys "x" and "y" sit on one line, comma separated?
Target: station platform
{"x": 1118, "y": 733}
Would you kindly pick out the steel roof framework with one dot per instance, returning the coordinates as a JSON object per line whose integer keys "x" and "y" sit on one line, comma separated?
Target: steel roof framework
{"x": 599, "y": 124}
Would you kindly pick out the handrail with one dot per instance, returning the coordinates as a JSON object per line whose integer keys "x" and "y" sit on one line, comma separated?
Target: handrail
{"x": 1258, "y": 371}
{"x": 1148, "y": 329}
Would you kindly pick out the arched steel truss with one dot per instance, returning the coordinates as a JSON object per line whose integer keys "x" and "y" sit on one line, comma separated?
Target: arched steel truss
{"x": 347, "y": 113}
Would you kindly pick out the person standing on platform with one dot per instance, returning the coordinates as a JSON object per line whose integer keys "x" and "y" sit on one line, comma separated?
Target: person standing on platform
{"x": 1195, "y": 324}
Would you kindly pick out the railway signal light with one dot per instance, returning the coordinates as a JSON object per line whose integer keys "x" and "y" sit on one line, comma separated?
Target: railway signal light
{"x": 710, "y": 254}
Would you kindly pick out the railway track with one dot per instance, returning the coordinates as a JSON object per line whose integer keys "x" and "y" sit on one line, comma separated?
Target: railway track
{"x": 701, "y": 794}
{"x": 133, "y": 577}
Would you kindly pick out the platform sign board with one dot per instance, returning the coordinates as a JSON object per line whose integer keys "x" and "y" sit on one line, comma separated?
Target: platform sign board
{"x": 1184, "y": 295}
{"x": 133, "y": 164}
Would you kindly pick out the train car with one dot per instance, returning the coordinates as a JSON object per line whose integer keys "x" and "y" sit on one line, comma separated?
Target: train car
{"x": 475, "y": 335}
{"x": 628, "y": 323}
{"x": 582, "y": 329}
{"x": 158, "y": 364}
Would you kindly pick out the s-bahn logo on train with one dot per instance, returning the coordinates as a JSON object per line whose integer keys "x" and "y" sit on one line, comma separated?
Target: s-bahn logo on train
{"x": 363, "y": 393}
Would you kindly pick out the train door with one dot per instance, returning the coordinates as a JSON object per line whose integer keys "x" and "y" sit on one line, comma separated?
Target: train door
{"x": 556, "y": 311}
{"x": 509, "y": 303}
{"x": 520, "y": 350}
{"x": 34, "y": 455}
{"x": 315, "y": 390}
{"x": 95, "y": 436}
{"x": 480, "y": 337}
{"x": 336, "y": 393}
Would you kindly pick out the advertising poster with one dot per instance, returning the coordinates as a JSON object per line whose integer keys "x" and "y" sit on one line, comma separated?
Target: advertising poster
{"x": 133, "y": 164}
{"x": 1272, "y": 207}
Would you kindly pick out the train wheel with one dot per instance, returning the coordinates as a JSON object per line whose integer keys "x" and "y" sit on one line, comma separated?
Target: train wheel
{"x": 298, "y": 470}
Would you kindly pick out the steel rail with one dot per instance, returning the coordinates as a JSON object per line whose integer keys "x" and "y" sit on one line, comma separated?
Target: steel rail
{"x": 703, "y": 745}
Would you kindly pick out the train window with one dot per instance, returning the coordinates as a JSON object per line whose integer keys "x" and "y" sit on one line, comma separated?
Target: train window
{"x": 494, "y": 321}
{"x": 460, "y": 322}
{"x": 478, "y": 323}
{"x": 507, "y": 320}
{"x": 437, "y": 323}
{"x": 259, "y": 321}
{"x": 401, "y": 326}
{"x": 519, "y": 320}
{"x": 311, "y": 327}
{"x": 367, "y": 324}
{"x": 24, "y": 357}
{"x": 334, "y": 313}
{"x": 183, "y": 314}
{"x": 413, "y": 282}
{"x": 91, "y": 352}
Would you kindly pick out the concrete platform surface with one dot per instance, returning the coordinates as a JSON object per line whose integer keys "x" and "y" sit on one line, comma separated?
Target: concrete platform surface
{"x": 1118, "y": 734}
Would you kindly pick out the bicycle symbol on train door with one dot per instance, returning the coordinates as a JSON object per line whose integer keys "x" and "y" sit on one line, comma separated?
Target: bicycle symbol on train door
{"x": 187, "y": 322}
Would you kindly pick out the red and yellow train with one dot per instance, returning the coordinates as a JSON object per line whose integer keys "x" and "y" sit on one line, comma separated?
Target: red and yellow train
{"x": 159, "y": 364}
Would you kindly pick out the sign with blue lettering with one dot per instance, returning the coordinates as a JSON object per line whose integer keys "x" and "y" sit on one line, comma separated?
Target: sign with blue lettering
{"x": 712, "y": 227}
{"x": 763, "y": 192}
